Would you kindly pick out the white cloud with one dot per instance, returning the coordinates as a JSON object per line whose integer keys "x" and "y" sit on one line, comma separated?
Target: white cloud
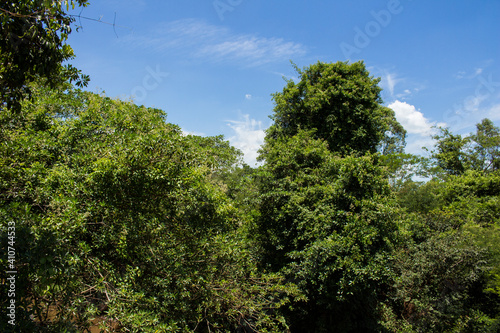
{"x": 203, "y": 41}
{"x": 419, "y": 128}
{"x": 248, "y": 96}
{"x": 249, "y": 136}
{"x": 412, "y": 120}
{"x": 391, "y": 83}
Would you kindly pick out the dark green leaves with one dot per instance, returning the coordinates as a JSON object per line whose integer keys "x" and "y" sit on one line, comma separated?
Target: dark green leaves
{"x": 123, "y": 219}
{"x": 341, "y": 102}
{"x": 32, "y": 46}
{"x": 480, "y": 151}
{"x": 324, "y": 223}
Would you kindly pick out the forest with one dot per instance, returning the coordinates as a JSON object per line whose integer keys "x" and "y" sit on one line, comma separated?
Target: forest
{"x": 112, "y": 219}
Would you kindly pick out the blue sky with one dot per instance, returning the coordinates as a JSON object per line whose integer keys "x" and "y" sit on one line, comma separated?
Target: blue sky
{"x": 213, "y": 65}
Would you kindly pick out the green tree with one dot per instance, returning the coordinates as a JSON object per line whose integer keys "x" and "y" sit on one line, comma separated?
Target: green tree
{"x": 32, "y": 46}
{"x": 486, "y": 150}
{"x": 449, "y": 268}
{"x": 401, "y": 168}
{"x": 325, "y": 218}
{"x": 437, "y": 283}
{"x": 329, "y": 223}
{"x": 342, "y": 103}
{"x": 455, "y": 154}
{"x": 121, "y": 219}
{"x": 450, "y": 154}
{"x": 326, "y": 223}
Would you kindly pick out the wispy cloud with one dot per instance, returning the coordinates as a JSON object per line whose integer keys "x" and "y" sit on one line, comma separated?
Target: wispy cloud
{"x": 202, "y": 41}
{"x": 249, "y": 136}
{"x": 494, "y": 112}
{"x": 463, "y": 74}
{"x": 460, "y": 75}
{"x": 390, "y": 80}
{"x": 473, "y": 102}
{"x": 252, "y": 50}
{"x": 473, "y": 73}
{"x": 294, "y": 78}
{"x": 482, "y": 102}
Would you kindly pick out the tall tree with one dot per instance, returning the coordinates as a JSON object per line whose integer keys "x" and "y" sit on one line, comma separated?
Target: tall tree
{"x": 486, "y": 151}
{"x": 325, "y": 221}
{"x": 326, "y": 224}
{"x": 147, "y": 238}
{"x": 455, "y": 154}
{"x": 342, "y": 102}
{"x": 33, "y": 38}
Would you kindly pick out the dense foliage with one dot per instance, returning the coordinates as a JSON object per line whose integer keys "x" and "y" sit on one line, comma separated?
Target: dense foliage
{"x": 371, "y": 249}
{"x": 327, "y": 225}
{"x": 480, "y": 151}
{"x": 120, "y": 217}
{"x": 32, "y": 45}
{"x": 342, "y": 103}
{"x": 114, "y": 219}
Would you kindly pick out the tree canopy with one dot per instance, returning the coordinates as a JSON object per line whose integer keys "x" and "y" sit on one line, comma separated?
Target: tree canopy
{"x": 115, "y": 220}
{"x": 161, "y": 231}
{"x": 480, "y": 151}
{"x": 325, "y": 223}
{"x": 33, "y": 45}
{"x": 121, "y": 219}
{"x": 342, "y": 102}
{"x": 370, "y": 249}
